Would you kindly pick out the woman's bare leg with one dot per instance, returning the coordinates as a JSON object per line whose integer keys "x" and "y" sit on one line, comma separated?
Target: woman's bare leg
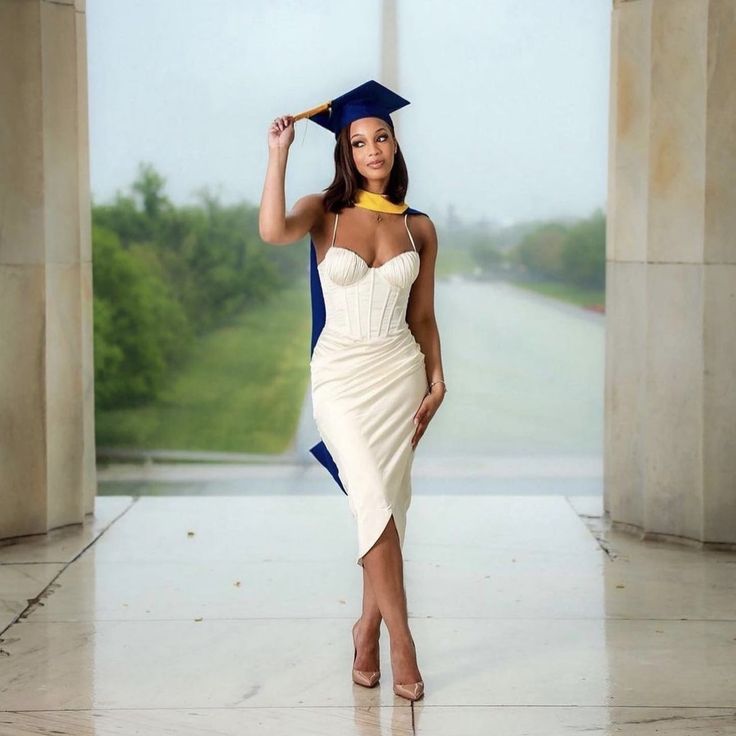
{"x": 368, "y": 630}
{"x": 385, "y": 568}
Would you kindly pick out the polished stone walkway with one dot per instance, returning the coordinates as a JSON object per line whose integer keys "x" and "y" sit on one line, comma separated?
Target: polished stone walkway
{"x": 232, "y": 615}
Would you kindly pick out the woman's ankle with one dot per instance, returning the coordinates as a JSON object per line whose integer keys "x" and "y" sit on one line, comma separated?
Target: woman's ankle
{"x": 370, "y": 625}
{"x": 402, "y": 638}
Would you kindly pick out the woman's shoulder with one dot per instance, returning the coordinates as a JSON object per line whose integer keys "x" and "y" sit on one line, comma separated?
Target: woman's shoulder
{"x": 314, "y": 204}
{"x": 315, "y": 201}
{"x": 423, "y": 224}
{"x": 423, "y": 231}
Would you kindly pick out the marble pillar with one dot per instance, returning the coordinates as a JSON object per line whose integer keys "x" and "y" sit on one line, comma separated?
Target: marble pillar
{"x": 670, "y": 384}
{"x": 47, "y": 454}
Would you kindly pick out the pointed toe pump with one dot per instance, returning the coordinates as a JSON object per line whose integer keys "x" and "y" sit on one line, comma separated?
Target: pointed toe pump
{"x": 363, "y": 677}
{"x": 412, "y": 691}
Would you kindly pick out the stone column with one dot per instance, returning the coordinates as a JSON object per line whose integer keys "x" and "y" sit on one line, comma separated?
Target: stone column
{"x": 670, "y": 396}
{"x": 47, "y": 454}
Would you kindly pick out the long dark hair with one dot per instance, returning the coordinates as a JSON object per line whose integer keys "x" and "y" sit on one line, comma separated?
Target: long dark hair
{"x": 341, "y": 192}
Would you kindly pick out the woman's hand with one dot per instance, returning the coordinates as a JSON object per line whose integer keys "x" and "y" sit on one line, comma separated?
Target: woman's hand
{"x": 281, "y": 132}
{"x": 430, "y": 403}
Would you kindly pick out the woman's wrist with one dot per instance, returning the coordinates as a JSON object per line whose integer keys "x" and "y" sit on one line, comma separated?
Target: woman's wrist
{"x": 437, "y": 387}
{"x": 279, "y": 153}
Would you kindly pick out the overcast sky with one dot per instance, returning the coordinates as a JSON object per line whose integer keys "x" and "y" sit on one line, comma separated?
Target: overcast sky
{"x": 509, "y": 98}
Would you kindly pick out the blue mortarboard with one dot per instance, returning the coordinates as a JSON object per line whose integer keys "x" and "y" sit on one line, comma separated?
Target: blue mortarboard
{"x": 370, "y": 99}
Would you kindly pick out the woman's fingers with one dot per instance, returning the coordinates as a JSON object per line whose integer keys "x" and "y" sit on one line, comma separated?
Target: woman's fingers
{"x": 281, "y": 132}
{"x": 421, "y": 420}
{"x": 418, "y": 435}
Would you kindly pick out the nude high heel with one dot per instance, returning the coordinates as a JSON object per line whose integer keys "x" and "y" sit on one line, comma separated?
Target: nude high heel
{"x": 410, "y": 690}
{"x": 363, "y": 677}
{"x": 414, "y": 691}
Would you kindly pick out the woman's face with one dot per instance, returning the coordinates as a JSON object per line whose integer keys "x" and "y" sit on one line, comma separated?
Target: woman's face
{"x": 373, "y": 147}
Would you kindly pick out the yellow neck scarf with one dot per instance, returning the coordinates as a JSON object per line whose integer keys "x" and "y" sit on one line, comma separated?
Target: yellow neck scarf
{"x": 372, "y": 201}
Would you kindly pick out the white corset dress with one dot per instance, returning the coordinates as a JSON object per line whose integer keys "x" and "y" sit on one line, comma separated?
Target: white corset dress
{"x": 365, "y": 301}
{"x": 368, "y": 379}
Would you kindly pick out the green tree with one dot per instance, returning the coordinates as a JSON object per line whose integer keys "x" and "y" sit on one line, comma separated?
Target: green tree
{"x": 150, "y": 186}
{"x": 584, "y": 253}
{"x": 540, "y": 251}
{"x": 165, "y": 274}
{"x": 139, "y": 330}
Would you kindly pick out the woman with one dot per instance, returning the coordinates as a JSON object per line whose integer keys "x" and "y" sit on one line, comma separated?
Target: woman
{"x": 376, "y": 370}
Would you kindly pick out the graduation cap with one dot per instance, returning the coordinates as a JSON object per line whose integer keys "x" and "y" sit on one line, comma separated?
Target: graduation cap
{"x": 368, "y": 100}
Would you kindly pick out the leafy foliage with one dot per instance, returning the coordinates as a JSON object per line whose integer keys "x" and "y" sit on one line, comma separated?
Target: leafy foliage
{"x": 572, "y": 253}
{"x": 164, "y": 275}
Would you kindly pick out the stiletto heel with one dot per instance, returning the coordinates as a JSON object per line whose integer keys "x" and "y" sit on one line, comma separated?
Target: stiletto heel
{"x": 363, "y": 677}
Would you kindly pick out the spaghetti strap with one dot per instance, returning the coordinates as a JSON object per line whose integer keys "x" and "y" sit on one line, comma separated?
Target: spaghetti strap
{"x": 334, "y": 230}
{"x": 409, "y": 231}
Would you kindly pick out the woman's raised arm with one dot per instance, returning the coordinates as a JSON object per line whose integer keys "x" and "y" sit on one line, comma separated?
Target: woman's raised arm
{"x": 274, "y": 225}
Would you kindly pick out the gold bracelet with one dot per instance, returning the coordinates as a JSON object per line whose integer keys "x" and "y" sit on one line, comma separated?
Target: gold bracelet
{"x": 439, "y": 380}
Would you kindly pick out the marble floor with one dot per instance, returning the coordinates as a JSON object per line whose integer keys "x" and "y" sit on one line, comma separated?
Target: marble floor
{"x": 231, "y": 615}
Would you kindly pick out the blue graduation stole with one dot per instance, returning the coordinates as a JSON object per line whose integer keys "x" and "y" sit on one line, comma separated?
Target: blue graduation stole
{"x": 320, "y": 450}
